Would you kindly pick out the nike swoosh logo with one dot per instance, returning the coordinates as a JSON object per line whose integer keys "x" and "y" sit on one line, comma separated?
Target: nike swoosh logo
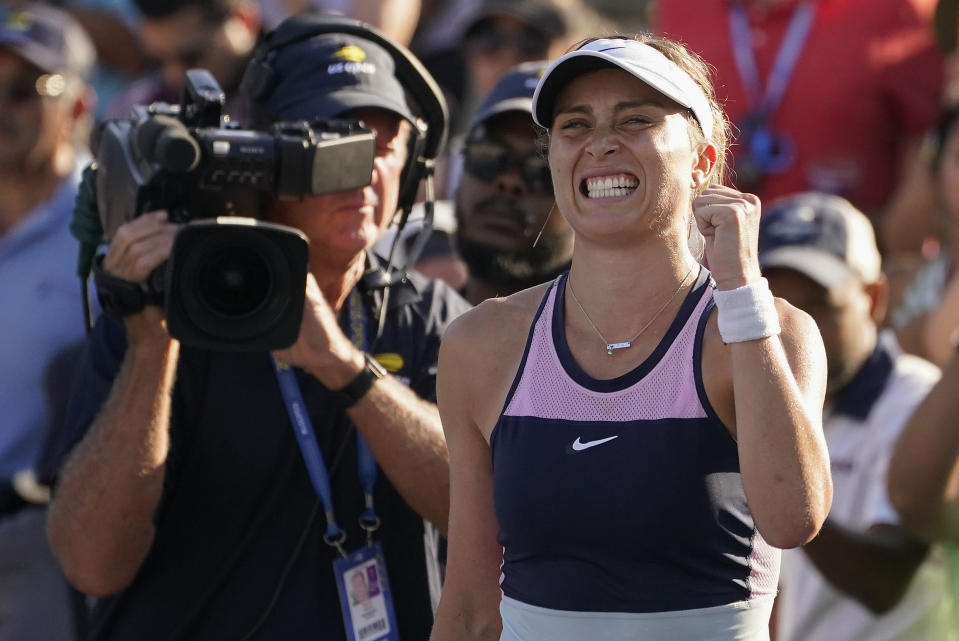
{"x": 579, "y": 446}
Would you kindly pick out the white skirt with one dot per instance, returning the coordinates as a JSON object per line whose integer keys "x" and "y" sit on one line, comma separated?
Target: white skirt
{"x": 742, "y": 621}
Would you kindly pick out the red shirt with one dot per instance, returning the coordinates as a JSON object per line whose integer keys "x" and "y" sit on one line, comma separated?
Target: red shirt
{"x": 868, "y": 80}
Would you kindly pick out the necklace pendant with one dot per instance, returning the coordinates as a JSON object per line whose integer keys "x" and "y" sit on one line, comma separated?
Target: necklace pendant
{"x": 612, "y": 346}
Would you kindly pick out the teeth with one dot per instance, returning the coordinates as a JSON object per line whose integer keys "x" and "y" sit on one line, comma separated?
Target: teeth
{"x": 611, "y": 186}
{"x": 609, "y": 193}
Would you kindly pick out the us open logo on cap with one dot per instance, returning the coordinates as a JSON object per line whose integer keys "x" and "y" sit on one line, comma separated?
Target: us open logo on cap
{"x": 19, "y": 21}
{"x": 350, "y": 53}
{"x": 354, "y": 62}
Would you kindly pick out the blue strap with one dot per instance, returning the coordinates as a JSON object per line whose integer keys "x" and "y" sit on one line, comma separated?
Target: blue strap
{"x": 800, "y": 24}
{"x": 310, "y": 447}
{"x": 365, "y": 463}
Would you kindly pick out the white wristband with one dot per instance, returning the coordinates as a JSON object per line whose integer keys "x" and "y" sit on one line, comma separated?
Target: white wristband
{"x": 747, "y": 313}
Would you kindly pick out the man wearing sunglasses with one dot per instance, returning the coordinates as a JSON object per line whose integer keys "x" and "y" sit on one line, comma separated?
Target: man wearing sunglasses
{"x": 507, "y": 231}
{"x": 45, "y": 107}
{"x": 501, "y": 34}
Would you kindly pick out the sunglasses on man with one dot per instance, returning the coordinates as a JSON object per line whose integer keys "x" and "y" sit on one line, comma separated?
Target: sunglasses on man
{"x": 24, "y": 89}
{"x": 186, "y": 58}
{"x": 487, "y": 39}
{"x": 488, "y": 159}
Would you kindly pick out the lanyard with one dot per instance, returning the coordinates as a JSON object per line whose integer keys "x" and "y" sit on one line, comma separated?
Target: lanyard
{"x": 800, "y": 24}
{"x": 310, "y": 447}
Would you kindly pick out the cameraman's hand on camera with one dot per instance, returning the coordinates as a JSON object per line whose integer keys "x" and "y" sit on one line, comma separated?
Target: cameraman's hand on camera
{"x": 115, "y": 505}
{"x": 322, "y": 349}
{"x": 138, "y": 247}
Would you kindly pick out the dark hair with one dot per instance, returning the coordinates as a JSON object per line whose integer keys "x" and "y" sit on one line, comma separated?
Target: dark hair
{"x": 212, "y": 10}
{"x": 947, "y": 121}
{"x": 701, "y": 73}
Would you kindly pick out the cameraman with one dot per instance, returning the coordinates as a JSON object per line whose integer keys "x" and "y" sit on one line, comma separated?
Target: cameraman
{"x": 186, "y": 502}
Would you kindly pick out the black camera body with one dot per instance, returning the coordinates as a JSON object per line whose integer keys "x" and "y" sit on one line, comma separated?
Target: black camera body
{"x": 232, "y": 282}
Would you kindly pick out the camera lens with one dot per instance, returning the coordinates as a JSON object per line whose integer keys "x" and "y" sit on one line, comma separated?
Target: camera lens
{"x": 236, "y": 283}
{"x": 233, "y": 282}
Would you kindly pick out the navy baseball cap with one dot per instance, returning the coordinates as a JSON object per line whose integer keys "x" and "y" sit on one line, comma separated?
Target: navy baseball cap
{"x": 47, "y": 38}
{"x": 330, "y": 74}
{"x": 821, "y": 236}
{"x": 513, "y": 92}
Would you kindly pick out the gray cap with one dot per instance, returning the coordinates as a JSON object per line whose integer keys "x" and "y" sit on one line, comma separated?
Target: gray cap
{"x": 821, "y": 236}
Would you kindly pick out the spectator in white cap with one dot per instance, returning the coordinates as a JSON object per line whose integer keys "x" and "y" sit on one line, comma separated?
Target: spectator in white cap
{"x": 624, "y": 461}
{"x": 862, "y": 577}
{"x": 46, "y": 107}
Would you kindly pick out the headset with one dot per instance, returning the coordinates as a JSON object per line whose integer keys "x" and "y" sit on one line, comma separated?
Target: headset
{"x": 427, "y": 138}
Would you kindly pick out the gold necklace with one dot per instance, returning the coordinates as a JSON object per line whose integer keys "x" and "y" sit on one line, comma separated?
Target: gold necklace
{"x": 611, "y": 347}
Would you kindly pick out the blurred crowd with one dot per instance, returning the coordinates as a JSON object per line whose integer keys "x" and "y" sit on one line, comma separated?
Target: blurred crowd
{"x": 846, "y": 125}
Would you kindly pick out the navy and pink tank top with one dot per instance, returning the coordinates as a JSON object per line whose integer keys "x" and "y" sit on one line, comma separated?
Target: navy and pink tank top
{"x": 622, "y": 495}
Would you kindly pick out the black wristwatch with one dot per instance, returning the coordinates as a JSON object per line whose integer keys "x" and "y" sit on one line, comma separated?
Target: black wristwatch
{"x": 359, "y": 386}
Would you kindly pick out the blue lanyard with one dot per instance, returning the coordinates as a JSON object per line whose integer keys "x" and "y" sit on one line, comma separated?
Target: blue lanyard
{"x": 310, "y": 447}
{"x": 767, "y": 101}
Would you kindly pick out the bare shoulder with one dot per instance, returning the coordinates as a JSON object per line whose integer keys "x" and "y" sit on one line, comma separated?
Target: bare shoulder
{"x": 801, "y": 344}
{"x": 481, "y": 352}
{"x": 800, "y": 335}
{"x": 495, "y": 324}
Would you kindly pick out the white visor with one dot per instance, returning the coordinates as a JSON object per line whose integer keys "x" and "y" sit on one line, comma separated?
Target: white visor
{"x": 637, "y": 59}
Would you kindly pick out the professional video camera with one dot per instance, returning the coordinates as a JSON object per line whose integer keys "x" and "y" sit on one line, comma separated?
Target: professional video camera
{"x": 232, "y": 282}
